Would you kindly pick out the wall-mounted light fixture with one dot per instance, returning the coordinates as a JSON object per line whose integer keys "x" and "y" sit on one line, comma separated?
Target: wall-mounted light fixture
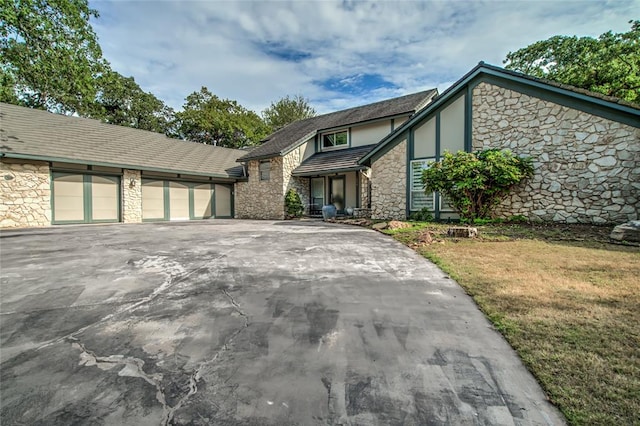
{"x": 132, "y": 182}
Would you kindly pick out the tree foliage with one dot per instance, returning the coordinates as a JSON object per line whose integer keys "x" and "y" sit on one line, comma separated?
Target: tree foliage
{"x": 292, "y": 204}
{"x": 609, "y": 64}
{"x": 210, "y": 120}
{"x": 475, "y": 183}
{"x": 286, "y": 111}
{"x": 121, "y": 101}
{"x": 49, "y": 54}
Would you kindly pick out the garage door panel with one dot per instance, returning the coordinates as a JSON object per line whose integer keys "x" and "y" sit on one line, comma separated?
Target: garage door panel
{"x": 202, "y": 199}
{"x": 153, "y": 199}
{"x": 178, "y": 201}
{"x": 68, "y": 198}
{"x": 104, "y": 198}
{"x": 223, "y": 200}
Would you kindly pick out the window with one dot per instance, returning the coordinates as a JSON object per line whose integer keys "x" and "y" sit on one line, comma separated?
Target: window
{"x": 419, "y": 199}
{"x": 265, "y": 169}
{"x": 336, "y": 139}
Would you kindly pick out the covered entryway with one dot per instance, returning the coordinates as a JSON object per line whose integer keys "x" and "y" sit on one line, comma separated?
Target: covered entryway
{"x": 85, "y": 198}
{"x": 181, "y": 200}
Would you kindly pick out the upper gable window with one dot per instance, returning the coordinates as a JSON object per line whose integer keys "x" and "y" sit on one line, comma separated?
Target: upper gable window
{"x": 335, "y": 139}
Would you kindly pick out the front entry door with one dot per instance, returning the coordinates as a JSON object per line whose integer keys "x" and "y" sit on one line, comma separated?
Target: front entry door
{"x": 336, "y": 194}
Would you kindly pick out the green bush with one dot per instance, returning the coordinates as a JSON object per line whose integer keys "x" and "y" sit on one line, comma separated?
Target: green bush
{"x": 476, "y": 183}
{"x": 292, "y": 204}
{"x": 423, "y": 215}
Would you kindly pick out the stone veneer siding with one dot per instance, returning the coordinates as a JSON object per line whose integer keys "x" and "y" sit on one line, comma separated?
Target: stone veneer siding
{"x": 587, "y": 168}
{"x": 256, "y": 199}
{"x": 26, "y": 194}
{"x": 389, "y": 184}
{"x": 131, "y": 196}
{"x": 365, "y": 182}
{"x": 300, "y": 184}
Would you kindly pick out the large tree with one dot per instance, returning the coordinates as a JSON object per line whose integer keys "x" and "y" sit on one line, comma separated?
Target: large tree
{"x": 49, "y": 54}
{"x": 287, "y": 110}
{"x": 121, "y": 101}
{"x": 207, "y": 119}
{"x": 609, "y": 64}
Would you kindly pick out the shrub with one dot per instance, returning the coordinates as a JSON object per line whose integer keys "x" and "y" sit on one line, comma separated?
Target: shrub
{"x": 292, "y": 204}
{"x": 476, "y": 183}
{"x": 423, "y": 215}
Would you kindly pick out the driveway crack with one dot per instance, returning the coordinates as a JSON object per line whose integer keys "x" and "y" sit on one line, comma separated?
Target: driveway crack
{"x": 132, "y": 367}
{"x": 198, "y": 372}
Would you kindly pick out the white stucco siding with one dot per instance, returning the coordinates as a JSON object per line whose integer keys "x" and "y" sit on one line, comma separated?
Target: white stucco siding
{"x": 399, "y": 121}
{"x": 351, "y": 188}
{"x": 370, "y": 133}
{"x": 307, "y": 149}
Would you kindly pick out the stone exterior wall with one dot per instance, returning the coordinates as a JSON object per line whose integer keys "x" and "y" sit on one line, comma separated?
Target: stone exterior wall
{"x": 261, "y": 199}
{"x": 300, "y": 184}
{"x": 256, "y": 199}
{"x": 131, "y": 196}
{"x": 26, "y": 194}
{"x": 587, "y": 168}
{"x": 389, "y": 184}
{"x": 365, "y": 184}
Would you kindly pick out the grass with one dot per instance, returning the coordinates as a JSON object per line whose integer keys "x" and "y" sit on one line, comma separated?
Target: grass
{"x": 565, "y": 299}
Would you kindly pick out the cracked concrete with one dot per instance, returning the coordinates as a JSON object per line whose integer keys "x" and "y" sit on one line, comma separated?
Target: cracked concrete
{"x": 245, "y": 322}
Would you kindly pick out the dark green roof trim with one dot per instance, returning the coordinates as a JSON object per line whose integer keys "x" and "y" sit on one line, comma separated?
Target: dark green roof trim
{"x": 578, "y": 101}
{"x": 593, "y": 103}
{"x": 224, "y": 178}
{"x": 329, "y": 171}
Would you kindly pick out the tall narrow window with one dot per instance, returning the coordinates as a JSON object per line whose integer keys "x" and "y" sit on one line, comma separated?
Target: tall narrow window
{"x": 419, "y": 199}
{"x": 265, "y": 169}
{"x": 336, "y": 139}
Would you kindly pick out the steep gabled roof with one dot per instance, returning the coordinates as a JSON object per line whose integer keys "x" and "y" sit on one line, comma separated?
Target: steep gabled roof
{"x": 597, "y": 103}
{"x": 342, "y": 160}
{"x": 292, "y": 135}
{"x": 40, "y": 135}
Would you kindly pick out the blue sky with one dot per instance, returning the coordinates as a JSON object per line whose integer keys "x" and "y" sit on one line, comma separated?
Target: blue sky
{"x": 339, "y": 54}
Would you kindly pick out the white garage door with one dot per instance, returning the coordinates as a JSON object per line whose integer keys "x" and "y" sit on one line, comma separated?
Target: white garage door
{"x": 202, "y": 197}
{"x": 178, "y": 201}
{"x": 175, "y": 200}
{"x": 81, "y": 198}
{"x": 223, "y": 200}
{"x": 152, "y": 200}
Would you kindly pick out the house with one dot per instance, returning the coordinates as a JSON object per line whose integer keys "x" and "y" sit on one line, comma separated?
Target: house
{"x": 318, "y": 157}
{"x": 585, "y": 148}
{"x": 56, "y": 169}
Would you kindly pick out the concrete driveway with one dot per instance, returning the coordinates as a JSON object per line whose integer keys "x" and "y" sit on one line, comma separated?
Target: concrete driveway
{"x": 246, "y": 322}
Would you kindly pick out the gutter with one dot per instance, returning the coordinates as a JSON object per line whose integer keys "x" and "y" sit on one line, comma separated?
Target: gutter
{"x": 118, "y": 166}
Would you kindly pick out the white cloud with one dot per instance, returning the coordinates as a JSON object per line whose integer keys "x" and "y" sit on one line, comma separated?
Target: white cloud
{"x": 257, "y": 52}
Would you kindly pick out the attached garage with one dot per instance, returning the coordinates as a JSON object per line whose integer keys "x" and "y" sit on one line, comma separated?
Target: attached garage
{"x": 183, "y": 200}
{"x": 85, "y": 198}
{"x": 56, "y": 169}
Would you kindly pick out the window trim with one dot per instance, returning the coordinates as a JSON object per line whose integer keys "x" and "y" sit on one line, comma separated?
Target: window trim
{"x": 335, "y": 147}
{"x": 264, "y": 175}
{"x": 412, "y": 182}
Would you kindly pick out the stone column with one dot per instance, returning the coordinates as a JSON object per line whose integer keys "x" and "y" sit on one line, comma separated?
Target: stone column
{"x": 132, "y": 196}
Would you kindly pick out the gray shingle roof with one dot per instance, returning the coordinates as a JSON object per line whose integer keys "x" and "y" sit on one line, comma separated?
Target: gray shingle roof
{"x": 35, "y": 134}
{"x": 341, "y": 160}
{"x": 280, "y": 142}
